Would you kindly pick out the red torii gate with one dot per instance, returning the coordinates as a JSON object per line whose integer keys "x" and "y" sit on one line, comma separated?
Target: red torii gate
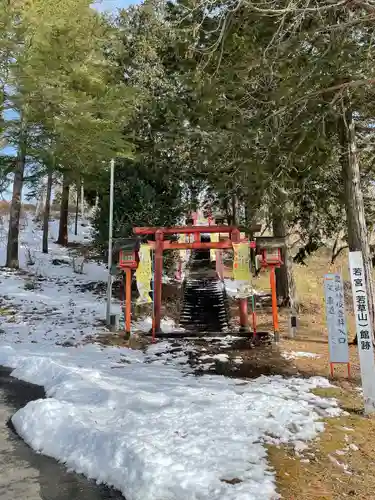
{"x": 160, "y": 245}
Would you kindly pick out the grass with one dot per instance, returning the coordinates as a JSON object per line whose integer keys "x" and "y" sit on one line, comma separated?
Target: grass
{"x": 312, "y": 335}
{"x": 339, "y": 464}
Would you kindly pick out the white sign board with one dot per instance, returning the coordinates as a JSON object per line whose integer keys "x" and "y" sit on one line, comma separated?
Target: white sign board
{"x": 364, "y": 329}
{"x": 336, "y": 321}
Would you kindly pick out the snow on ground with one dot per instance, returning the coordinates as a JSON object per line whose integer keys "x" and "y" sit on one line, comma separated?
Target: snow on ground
{"x": 139, "y": 421}
{"x": 300, "y": 354}
{"x": 224, "y": 358}
{"x": 58, "y": 263}
{"x": 232, "y": 288}
{"x": 168, "y": 325}
{"x": 155, "y": 433}
{"x": 190, "y": 356}
{"x": 46, "y": 302}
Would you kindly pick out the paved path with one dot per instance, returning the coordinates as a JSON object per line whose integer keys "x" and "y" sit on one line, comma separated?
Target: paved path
{"x": 26, "y": 475}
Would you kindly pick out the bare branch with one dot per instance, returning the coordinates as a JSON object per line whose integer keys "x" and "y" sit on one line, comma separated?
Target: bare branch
{"x": 337, "y": 253}
{"x": 293, "y": 9}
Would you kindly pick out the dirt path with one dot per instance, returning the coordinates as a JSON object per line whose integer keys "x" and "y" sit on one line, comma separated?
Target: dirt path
{"x": 27, "y": 475}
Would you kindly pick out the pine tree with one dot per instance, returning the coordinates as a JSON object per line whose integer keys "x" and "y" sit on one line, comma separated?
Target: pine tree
{"x": 69, "y": 108}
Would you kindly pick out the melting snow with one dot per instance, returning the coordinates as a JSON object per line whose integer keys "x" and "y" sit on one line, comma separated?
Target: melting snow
{"x": 127, "y": 418}
{"x": 155, "y": 433}
{"x": 353, "y": 447}
{"x": 300, "y": 354}
{"x": 340, "y": 465}
{"x": 224, "y": 358}
{"x": 168, "y": 325}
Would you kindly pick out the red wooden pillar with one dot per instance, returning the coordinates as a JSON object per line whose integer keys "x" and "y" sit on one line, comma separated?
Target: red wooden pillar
{"x": 275, "y": 316}
{"x": 235, "y": 236}
{"x": 244, "y": 318}
{"x": 243, "y": 309}
{"x": 128, "y": 301}
{"x": 158, "y": 279}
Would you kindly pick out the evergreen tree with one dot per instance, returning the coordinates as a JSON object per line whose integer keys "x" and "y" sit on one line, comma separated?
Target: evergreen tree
{"x": 68, "y": 109}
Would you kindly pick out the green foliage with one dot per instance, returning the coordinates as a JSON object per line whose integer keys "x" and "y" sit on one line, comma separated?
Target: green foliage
{"x": 6, "y": 167}
{"x": 142, "y": 197}
{"x": 273, "y": 84}
{"x": 239, "y": 101}
{"x": 70, "y": 111}
{"x": 150, "y": 188}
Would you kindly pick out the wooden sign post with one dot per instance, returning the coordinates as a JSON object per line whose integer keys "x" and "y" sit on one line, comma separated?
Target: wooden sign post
{"x": 364, "y": 329}
{"x": 336, "y": 321}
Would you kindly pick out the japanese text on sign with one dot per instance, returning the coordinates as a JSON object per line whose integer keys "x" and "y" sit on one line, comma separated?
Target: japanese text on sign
{"x": 361, "y": 308}
{"x": 364, "y": 329}
{"x": 336, "y": 321}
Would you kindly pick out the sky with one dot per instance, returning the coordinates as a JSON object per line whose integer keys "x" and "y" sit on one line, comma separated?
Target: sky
{"x": 111, "y": 5}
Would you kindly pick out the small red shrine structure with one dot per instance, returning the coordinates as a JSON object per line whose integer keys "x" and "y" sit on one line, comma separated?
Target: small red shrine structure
{"x": 160, "y": 244}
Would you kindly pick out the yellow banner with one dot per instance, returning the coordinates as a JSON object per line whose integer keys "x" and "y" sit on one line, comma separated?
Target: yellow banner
{"x": 182, "y": 239}
{"x": 143, "y": 274}
{"x": 214, "y": 239}
{"x": 241, "y": 262}
{"x": 201, "y": 220}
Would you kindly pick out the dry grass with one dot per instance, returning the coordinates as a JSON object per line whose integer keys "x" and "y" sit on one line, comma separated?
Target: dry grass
{"x": 312, "y": 335}
{"x": 317, "y": 475}
{"x": 339, "y": 464}
{"x": 25, "y": 208}
{"x": 110, "y": 340}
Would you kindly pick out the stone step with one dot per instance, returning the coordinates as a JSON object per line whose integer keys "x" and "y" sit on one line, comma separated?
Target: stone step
{"x": 204, "y": 303}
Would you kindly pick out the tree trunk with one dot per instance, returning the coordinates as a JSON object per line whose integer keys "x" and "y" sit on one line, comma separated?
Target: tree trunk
{"x": 285, "y": 282}
{"x": 234, "y": 209}
{"x": 12, "y": 260}
{"x": 64, "y": 213}
{"x": 41, "y": 202}
{"x": 77, "y": 213}
{"x": 228, "y": 215}
{"x": 354, "y": 206}
{"x": 47, "y": 211}
{"x": 82, "y": 201}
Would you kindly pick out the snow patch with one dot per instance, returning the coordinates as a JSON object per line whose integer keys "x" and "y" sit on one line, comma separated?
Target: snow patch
{"x": 168, "y": 325}
{"x": 223, "y": 358}
{"x": 299, "y": 354}
{"x": 155, "y": 433}
{"x": 340, "y": 465}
